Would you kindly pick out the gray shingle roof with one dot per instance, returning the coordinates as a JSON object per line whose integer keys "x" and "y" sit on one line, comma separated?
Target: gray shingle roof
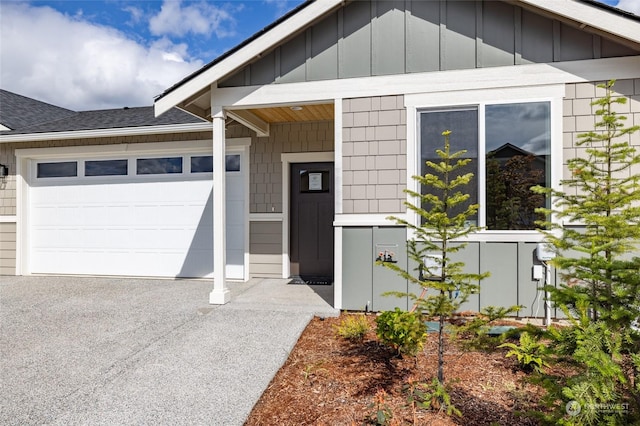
{"x": 49, "y": 118}
{"x": 17, "y": 111}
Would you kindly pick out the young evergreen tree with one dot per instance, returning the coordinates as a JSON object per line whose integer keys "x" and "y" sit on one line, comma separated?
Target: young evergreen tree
{"x": 597, "y": 256}
{"x": 444, "y": 210}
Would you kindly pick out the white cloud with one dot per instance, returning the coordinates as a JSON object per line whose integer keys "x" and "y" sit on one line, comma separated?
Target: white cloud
{"x": 199, "y": 18}
{"x": 632, "y": 6}
{"x": 73, "y": 63}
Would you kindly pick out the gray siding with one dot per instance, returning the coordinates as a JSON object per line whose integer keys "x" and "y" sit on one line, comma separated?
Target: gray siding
{"x": 374, "y": 154}
{"x": 368, "y": 38}
{"x": 7, "y": 248}
{"x": 265, "y": 188}
{"x": 510, "y": 265}
{"x": 578, "y": 115}
{"x": 265, "y": 249}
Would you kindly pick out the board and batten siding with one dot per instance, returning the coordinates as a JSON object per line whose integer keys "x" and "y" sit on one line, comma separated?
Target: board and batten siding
{"x": 510, "y": 265}
{"x": 369, "y": 38}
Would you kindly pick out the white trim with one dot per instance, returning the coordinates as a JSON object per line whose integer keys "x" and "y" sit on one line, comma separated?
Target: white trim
{"x": 337, "y": 268}
{"x": 338, "y": 206}
{"x": 287, "y": 160}
{"x": 106, "y": 133}
{"x": 24, "y": 170}
{"x": 151, "y": 148}
{"x": 337, "y": 149}
{"x": 491, "y": 95}
{"x": 245, "y": 54}
{"x": 372, "y": 219}
{"x": 8, "y": 219}
{"x": 553, "y": 94}
{"x": 265, "y": 217}
{"x": 444, "y": 82}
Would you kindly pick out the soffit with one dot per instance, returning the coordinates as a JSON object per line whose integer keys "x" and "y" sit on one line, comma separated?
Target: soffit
{"x": 288, "y": 114}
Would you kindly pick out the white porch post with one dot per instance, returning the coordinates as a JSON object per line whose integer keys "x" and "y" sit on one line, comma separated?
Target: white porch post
{"x": 220, "y": 294}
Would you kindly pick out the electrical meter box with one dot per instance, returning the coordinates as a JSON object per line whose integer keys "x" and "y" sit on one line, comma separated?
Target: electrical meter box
{"x": 544, "y": 252}
{"x": 432, "y": 270}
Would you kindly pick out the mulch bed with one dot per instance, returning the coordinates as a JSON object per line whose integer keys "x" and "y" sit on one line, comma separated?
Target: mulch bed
{"x": 328, "y": 380}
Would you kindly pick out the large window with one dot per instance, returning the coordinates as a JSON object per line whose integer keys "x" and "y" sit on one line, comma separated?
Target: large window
{"x": 509, "y": 157}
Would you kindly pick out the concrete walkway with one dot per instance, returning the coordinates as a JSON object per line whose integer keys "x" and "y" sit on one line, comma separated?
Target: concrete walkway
{"x": 108, "y": 351}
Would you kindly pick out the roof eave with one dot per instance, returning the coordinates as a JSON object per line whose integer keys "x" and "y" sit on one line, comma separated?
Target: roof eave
{"x": 105, "y": 133}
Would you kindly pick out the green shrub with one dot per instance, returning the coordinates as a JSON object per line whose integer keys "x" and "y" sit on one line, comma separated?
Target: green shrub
{"x": 353, "y": 327}
{"x": 530, "y": 353}
{"x": 404, "y": 331}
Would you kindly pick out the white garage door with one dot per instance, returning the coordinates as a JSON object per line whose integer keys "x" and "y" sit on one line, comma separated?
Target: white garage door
{"x": 135, "y": 216}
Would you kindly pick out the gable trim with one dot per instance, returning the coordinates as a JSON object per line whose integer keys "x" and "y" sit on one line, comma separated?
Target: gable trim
{"x": 257, "y": 47}
{"x": 430, "y": 82}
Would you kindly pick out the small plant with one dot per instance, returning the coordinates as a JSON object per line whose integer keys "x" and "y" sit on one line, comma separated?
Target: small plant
{"x": 353, "y": 328}
{"x": 477, "y": 330}
{"x": 436, "y": 396}
{"x": 416, "y": 396}
{"x": 404, "y": 331}
{"x": 530, "y": 353}
{"x": 313, "y": 370}
{"x": 383, "y": 414}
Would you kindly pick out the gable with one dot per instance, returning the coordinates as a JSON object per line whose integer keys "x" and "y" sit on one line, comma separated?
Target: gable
{"x": 370, "y": 38}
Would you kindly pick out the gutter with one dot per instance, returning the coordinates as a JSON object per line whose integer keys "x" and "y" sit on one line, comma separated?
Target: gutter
{"x": 105, "y": 133}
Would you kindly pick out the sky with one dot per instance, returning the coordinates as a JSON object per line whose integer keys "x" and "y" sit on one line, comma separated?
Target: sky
{"x": 99, "y": 54}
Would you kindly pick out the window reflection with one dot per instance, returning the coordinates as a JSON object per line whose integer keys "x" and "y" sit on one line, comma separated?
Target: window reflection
{"x": 518, "y": 146}
{"x": 106, "y": 168}
{"x": 153, "y": 166}
{"x": 53, "y": 170}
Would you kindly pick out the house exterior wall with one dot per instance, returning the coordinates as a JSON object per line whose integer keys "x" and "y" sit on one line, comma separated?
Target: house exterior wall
{"x": 369, "y": 38}
{"x": 265, "y": 187}
{"x": 7, "y": 248}
{"x": 8, "y": 188}
{"x": 510, "y": 262}
{"x": 578, "y": 114}
{"x": 374, "y": 148}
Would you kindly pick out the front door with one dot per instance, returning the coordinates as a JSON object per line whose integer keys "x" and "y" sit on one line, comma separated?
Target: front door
{"x": 312, "y": 211}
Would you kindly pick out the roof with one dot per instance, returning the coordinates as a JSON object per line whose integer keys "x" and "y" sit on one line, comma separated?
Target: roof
{"x": 616, "y": 22}
{"x": 17, "y": 111}
{"x": 27, "y": 116}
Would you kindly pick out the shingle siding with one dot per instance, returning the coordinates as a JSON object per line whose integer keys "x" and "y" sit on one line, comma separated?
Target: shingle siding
{"x": 579, "y": 115}
{"x": 265, "y": 190}
{"x": 374, "y": 150}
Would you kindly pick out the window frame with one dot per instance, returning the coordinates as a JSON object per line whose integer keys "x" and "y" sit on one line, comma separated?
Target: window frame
{"x": 417, "y": 103}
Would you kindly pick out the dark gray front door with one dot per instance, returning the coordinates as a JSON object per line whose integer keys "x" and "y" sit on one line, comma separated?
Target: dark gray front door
{"x": 312, "y": 212}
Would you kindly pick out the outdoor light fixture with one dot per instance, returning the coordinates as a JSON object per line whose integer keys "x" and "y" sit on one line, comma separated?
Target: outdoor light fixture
{"x": 296, "y": 108}
{"x": 4, "y": 171}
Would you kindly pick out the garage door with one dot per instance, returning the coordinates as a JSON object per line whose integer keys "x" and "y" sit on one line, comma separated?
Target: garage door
{"x": 134, "y": 216}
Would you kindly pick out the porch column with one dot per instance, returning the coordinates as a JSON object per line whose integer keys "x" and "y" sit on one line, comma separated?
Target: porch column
{"x": 220, "y": 294}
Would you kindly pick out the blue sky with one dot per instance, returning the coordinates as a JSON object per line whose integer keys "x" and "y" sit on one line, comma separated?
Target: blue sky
{"x": 83, "y": 54}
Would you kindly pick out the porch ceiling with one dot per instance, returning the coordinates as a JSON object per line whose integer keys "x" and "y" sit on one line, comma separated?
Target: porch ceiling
{"x": 287, "y": 114}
